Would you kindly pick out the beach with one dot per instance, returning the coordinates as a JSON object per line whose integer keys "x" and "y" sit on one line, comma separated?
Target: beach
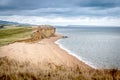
{"x": 45, "y": 51}
{"x": 41, "y": 58}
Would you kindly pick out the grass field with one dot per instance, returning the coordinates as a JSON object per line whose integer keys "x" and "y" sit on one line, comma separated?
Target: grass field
{"x": 11, "y": 69}
{"x": 9, "y": 35}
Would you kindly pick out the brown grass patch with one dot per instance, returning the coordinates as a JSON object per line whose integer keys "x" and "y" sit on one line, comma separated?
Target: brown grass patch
{"x": 15, "y": 70}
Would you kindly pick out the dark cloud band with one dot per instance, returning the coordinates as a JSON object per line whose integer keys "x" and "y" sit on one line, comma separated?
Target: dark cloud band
{"x": 60, "y": 7}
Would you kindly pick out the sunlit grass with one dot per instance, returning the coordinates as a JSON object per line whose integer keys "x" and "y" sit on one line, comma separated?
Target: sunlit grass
{"x": 9, "y": 35}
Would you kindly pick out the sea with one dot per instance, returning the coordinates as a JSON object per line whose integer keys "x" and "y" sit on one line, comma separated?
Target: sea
{"x": 99, "y": 47}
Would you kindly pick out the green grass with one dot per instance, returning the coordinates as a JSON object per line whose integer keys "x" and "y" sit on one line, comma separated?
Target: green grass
{"x": 9, "y": 35}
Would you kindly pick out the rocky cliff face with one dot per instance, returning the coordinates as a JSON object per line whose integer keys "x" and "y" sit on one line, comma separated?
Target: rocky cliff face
{"x": 43, "y": 31}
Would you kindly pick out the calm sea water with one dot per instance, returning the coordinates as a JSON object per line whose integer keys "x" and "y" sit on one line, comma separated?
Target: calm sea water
{"x": 98, "y": 47}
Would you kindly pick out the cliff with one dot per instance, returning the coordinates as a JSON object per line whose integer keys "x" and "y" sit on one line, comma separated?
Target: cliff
{"x": 41, "y": 32}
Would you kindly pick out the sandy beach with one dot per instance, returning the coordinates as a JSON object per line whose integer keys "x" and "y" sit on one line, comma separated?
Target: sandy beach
{"x": 44, "y": 51}
{"x": 45, "y": 60}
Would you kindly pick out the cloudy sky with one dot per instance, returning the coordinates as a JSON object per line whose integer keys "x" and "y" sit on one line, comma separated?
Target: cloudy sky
{"x": 62, "y": 12}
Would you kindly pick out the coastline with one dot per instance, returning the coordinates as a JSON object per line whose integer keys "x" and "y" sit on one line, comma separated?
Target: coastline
{"x": 53, "y": 53}
{"x": 70, "y": 53}
{"x": 46, "y": 60}
{"x": 73, "y": 54}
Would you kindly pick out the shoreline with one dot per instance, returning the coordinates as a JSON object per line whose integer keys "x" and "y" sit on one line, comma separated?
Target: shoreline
{"x": 73, "y": 54}
{"x": 46, "y": 60}
{"x": 70, "y": 53}
{"x": 53, "y": 53}
{"x": 41, "y": 57}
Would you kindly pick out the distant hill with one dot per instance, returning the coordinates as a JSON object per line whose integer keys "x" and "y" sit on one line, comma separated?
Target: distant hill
{"x": 12, "y": 23}
{"x": 8, "y": 23}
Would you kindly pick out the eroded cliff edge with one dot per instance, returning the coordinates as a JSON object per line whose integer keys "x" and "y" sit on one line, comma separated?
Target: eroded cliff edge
{"x": 39, "y": 33}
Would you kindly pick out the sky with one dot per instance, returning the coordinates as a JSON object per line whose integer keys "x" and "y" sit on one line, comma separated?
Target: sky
{"x": 62, "y": 12}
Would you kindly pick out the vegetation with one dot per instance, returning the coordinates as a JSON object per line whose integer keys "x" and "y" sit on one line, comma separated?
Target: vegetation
{"x": 11, "y": 69}
{"x": 11, "y": 34}
{"x": 24, "y": 34}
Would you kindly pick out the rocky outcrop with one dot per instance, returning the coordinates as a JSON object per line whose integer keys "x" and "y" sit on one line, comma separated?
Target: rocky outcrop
{"x": 41, "y": 32}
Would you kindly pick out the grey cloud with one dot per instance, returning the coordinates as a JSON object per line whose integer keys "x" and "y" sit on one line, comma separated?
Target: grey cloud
{"x": 35, "y": 4}
{"x": 99, "y": 3}
{"x": 67, "y": 12}
{"x": 67, "y": 8}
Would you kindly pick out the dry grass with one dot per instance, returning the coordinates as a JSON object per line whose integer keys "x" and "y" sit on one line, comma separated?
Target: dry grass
{"x": 15, "y": 70}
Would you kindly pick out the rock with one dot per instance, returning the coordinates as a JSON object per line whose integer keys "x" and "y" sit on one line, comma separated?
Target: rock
{"x": 1, "y": 26}
{"x": 64, "y": 36}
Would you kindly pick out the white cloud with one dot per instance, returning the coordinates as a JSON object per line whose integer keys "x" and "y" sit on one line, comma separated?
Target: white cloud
{"x": 101, "y": 21}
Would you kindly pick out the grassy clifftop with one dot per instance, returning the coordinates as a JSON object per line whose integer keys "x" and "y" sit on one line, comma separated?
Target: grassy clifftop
{"x": 25, "y": 34}
{"x": 9, "y": 35}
